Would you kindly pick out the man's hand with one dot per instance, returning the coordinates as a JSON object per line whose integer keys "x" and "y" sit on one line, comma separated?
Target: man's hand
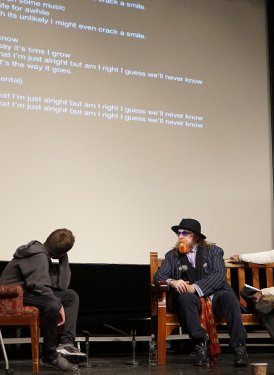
{"x": 61, "y": 317}
{"x": 182, "y": 286}
{"x": 191, "y": 289}
{"x": 257, "y": 296}
{"x": 234, "y": 259}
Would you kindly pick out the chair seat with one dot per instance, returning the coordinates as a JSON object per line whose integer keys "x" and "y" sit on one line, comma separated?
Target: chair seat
{"x": 26, "y": 311}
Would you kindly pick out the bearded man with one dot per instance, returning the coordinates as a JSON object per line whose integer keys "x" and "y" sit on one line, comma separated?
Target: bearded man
{"x": 195, "y": 272}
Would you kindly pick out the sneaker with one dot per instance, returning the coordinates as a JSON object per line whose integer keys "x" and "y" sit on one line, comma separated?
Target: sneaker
{"x": 240, "y": 356}
{"x": 201, "y": 357}
{"x": 59, "y": 363}
{"x": 72, "y": 353}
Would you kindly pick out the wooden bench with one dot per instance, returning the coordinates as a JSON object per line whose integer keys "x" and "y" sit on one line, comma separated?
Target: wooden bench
{"x": 164, "y": 320}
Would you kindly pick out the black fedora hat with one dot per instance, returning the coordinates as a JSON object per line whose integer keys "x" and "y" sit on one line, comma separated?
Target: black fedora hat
{"x": 189, "y": 224}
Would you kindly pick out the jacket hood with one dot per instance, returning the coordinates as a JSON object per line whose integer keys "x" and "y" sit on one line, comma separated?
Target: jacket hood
{"x": 32, "y": 248}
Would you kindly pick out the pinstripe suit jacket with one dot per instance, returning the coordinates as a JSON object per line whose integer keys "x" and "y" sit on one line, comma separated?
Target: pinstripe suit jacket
{"x": 214, "y": 267}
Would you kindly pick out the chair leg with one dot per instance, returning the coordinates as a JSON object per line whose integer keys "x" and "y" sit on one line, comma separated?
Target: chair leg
{"x": 34, "y": 329}
{"x": 161, "y": 338}
{"x": 161, "y": 350}
{"x": 4, "y": 350}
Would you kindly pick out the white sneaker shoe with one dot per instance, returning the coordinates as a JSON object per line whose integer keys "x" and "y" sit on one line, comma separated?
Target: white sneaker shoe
{"x": 72, "y": 353}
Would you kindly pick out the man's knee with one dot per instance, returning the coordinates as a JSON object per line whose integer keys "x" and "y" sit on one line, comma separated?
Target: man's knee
{"x": 69, "y": 297}
{"x": 229, "y": 298}
{"x": 226, "y": 302}
{"x": 185, "y": 300}
{"x": 51, "y": 309}
{"x": 73, "y": 295}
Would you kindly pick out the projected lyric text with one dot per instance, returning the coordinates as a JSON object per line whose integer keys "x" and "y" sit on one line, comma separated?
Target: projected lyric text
{"x": 104, "y": 111}
{"x": 15, "y": 55}
{"x": 22, "y": 60}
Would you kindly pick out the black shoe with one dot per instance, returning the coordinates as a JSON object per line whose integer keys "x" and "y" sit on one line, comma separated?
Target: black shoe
{"x": 202, "y": 357}
{"x": 240, "y": 356}
{"x": 59, "y": 363}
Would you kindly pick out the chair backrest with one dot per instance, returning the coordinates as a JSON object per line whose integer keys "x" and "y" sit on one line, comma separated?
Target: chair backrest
{"x": 155, "y": 263}
{"x": 257, "y": 275}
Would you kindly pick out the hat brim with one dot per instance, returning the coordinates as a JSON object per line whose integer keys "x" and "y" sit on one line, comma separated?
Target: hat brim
{"x": 176, "y": 227}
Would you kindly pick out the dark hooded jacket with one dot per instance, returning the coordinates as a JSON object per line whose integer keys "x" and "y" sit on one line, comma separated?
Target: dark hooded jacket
{"x": 32, "y": 268}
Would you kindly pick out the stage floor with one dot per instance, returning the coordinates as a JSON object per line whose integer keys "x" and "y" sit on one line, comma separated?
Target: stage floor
{"x": 176, "y": 364}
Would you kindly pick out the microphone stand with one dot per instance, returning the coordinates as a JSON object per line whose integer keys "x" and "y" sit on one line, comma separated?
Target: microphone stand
{"x": 133, "y": 342}
{"x": 87, "y": 335}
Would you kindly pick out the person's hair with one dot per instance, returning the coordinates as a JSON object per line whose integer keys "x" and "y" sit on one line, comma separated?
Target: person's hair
{"x": 203, "y": 243}
{"x": 59, "y": 242}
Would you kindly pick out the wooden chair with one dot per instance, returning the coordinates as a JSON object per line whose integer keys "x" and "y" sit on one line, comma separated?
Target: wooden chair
{"x": 13, "y": 313}
{"x": 165, "y": 321}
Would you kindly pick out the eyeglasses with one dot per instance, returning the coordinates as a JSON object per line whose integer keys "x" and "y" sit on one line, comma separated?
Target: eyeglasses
{"x": 184, "y": 233}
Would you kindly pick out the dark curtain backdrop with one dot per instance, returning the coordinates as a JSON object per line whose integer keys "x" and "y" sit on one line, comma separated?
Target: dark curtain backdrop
{"x": 109, "y": 292}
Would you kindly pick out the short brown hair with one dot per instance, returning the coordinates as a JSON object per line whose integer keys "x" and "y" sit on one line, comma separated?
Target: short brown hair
{"x": 59, "y": 242}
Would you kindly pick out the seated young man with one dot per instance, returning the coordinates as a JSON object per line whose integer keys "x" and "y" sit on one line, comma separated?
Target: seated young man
{"x": 45, "y": 285}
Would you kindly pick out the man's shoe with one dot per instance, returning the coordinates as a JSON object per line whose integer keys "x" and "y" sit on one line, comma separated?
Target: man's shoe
{"x": 240, "y": 356}
{"x": 60, "y": 363}
{"x": 70, "y": 352}
{"x": 201, "y": 357}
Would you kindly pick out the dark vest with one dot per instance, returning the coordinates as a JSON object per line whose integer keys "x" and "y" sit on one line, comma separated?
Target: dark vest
{"x": 190, "y": 273}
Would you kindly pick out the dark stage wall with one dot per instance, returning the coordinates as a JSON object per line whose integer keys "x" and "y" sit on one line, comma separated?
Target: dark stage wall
{"x": 109, "y": 292}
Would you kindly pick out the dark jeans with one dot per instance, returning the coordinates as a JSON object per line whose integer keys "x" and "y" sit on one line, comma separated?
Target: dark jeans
{"x": 49, "y": 317}
{"x": 224, "y": 303}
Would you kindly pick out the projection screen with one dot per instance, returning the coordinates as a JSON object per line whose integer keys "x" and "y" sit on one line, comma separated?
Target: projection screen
{"x": 119, "y": 118}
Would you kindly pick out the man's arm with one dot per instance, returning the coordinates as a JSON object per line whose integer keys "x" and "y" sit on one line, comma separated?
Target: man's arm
{"x": 262, "y": 257}
{"x": 35, "y": 271}
{"x": 64, "y": 273}
{"x": 165, "y": 272}
{"x": 268, "y": 291}
{"x": 215, "y": 279}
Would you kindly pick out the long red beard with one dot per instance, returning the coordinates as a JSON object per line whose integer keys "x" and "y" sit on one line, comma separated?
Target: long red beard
{"x": 183, "y": 247}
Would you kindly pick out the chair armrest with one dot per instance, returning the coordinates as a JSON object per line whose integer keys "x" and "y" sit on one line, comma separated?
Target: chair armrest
{"x": 11, "y": 299}
{"x": 11, "y": 291}
{"x": 159, "y": 287}
{"x": 163, "y": 286}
